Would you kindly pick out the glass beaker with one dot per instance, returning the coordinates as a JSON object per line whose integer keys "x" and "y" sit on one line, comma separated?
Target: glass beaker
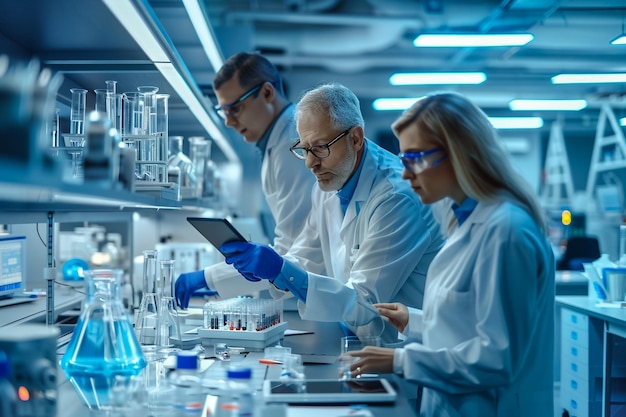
{"x": 77, "y": 112}
{"x": 168, "y": 323}
{"x": 146, "y": 323}
{"x": 103, "y": 348}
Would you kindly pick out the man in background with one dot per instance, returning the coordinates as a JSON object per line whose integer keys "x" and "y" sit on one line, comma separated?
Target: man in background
{"x": 251, "y": 100}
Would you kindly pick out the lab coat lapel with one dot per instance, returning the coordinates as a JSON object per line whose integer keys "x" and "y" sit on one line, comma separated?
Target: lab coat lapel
{"x": 361, "y": 192}
{"x": 275, "y": 135}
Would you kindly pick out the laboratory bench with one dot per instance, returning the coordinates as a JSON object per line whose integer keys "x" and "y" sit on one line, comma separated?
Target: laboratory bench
{"x": 593, "y": 357}
{"x": 322, "y": 345}
{"x": 66, "y": 300}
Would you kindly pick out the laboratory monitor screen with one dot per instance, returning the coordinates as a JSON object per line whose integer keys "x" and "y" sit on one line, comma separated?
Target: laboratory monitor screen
{"x": 12, "y": 259}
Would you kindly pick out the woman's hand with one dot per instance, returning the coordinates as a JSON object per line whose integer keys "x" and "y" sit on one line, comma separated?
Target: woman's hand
{"x": 373, "y": 360}
{"x": 396, "y": 313}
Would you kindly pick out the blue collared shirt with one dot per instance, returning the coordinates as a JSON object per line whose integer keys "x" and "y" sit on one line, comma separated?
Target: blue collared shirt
{"x": 346, "y": 193}
{"x": 463, "y": 210}
{"x": 262, "y": 143}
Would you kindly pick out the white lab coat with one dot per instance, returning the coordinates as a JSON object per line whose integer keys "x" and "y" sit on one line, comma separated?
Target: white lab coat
{"x": 487, "y": 325}
{"x": 380, "y": 254}
{"x": 286, "y": 184}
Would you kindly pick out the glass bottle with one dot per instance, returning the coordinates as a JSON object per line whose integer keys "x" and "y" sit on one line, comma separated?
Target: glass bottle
{"x": 168, "y": 323}
{"x": 103, "y": 349}
{"x": 145, "y": 325}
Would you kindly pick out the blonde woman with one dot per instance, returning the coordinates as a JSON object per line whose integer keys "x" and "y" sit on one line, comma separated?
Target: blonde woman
{"x": 483, "y": 340}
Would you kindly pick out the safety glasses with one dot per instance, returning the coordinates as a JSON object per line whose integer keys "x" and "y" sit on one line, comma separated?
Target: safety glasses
{"x": 418, "y": 162}
{"x": 233, "y": 109}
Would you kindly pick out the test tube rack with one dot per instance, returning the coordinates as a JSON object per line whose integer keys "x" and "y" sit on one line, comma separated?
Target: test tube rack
{"x": 249, "y": 339}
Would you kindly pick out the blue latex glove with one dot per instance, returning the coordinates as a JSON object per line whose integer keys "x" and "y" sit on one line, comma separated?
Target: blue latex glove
{"x": 187, "y": 284}
{"x": 252, "y": 260}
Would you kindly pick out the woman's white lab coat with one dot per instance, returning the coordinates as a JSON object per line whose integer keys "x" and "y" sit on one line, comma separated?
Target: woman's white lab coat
{"x": 487, "y": 325}
{"x": 287, "y": 185}
{"x": 378, "y": 252}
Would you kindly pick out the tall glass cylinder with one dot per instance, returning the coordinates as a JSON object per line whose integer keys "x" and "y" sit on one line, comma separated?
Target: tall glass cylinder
{"x": 104, "y": 350}
{"x": 150, "y": 109}
{"x": 198, "y": 147}
{"x": 168, "y": 323}
{"x": 132, "y": 119}
{"x": 101, "y": 100}
{"x": 162, "y": 128}
{"x": 146, "y": 322}
{"x": 77, "y": 112}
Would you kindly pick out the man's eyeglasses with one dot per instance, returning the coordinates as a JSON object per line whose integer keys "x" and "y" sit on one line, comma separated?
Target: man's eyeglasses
{"x": 233, "y": 109}
{"x": 418, "y": 162}
{"x": 320, "y": 151}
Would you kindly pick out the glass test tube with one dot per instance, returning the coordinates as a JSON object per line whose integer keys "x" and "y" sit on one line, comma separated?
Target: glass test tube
{"x": 101, "y": 100}
{"x": 54, "y": 129}
{"x": 77, "y": 113}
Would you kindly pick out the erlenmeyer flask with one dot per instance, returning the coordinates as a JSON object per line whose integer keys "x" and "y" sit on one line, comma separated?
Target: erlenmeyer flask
{"x": 103, "y": 347}
{"x": 145, "y": 325}
{"x": 168, "y": 323}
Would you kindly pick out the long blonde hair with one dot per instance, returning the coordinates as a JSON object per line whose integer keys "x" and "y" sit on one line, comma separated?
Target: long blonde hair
{"x": 480, "y": 164}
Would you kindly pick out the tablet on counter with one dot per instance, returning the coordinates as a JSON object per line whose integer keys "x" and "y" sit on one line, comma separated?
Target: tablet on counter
{"x": 329, "y": 391}
{"x": 216, "y": 230}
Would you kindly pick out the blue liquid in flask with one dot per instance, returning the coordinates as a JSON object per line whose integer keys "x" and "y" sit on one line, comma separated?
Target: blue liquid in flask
{"x": 104, "y": 346}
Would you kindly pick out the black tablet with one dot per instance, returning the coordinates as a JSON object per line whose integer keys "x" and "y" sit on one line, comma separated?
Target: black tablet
{"x": 335, "y": 391}
{"x": 215, "y": 230}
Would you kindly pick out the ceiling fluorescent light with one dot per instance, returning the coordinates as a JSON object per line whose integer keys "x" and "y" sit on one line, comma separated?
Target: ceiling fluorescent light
{"x": 619, "y": 40}
{"x": 199, "y": 111}
{"x": 129, "y": 17}
{"x": 205, "y": 33}
{"x": 589, "y": 78}
{"x": 566, "y": 105}
{"x": 434, "y": 78}
{"x": 622, "y": 121}
{"x": 386, "y": 104}
{"x": 516, "y": 122}
{"x": 444, "y": 40}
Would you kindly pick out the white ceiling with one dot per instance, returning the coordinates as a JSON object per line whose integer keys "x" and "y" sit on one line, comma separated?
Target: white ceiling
{"x": 361, "y": 43}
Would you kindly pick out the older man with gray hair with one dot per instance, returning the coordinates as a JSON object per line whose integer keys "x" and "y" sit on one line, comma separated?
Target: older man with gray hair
{"x": 367, "y": 239}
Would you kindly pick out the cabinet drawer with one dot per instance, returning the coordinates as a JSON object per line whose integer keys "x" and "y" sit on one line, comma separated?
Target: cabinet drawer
{"x": 575, "y": 396}
{"x": 576, "y": 336}
{"x": 574, "y": 320}
{"x": 571, "y": 351}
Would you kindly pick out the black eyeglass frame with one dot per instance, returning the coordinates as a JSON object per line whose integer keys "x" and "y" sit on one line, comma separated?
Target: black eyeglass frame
{"x": 223, "y": 110}
{"x": 307, "y": 149}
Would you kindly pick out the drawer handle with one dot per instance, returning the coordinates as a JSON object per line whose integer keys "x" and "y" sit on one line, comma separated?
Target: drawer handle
{"x": 574, "y": 404}
{"x": 574, "y": 367}
{"x": 574, "y": 335}
{"x": 573, "y": 384}
{"x": 574, "y": 351}
{"x": 574, "y": 319}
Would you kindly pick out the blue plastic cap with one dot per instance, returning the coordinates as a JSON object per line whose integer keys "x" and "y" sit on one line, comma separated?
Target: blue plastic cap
{"x": 5, "y": 366}
{"x": 187, "y": 360}
{"x": 239, "y": 373}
